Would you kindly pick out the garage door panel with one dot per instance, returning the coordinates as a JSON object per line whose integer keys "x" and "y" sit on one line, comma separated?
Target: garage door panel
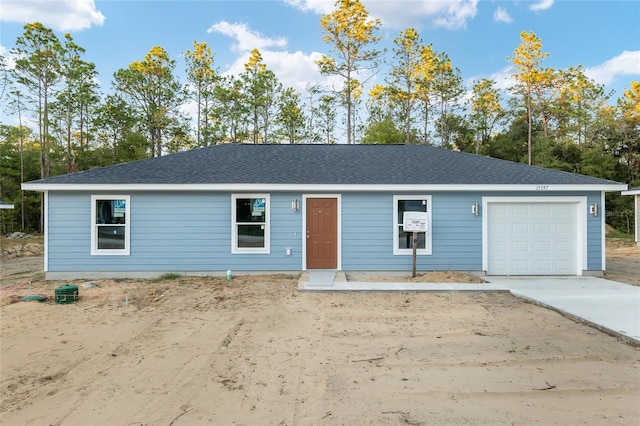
{"x": 542, "y": 228}
{"x": 500, "y": 247}
{"x": 565, "y": 210}
{"x": 499, "y": 264}
{"x": 519, "y": 210}
{"x": 565, "y": 247}
{"x": 520, "y": 265}
{"x": 542, "y": 247}
{"x": 566, "y": 265}
{"x": 544, "y": 266}
{"x": 500, "y": 209}
{"x": 520, "y": 247}
{"x": 532, "y": 238}
{"x": 543, "y": 210}
{"x": 501, "y": 228}
{"x": 565, "y": 228}
{"x": 520, "y": 228}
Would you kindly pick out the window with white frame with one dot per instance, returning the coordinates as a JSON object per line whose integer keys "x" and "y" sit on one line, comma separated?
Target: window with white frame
{"x": 403, "y": 241}
{"x": 110, "y": 225}
{"x": 250, "y": 227}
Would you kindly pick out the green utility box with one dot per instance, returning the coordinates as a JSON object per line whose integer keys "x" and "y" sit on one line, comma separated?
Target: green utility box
{"x": 67, "y": 293}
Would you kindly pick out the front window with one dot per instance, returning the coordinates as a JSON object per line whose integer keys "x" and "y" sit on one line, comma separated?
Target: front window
{"x": 110, "y": 225}
{"x": 403, "y": 243}
{"x": 250, "y": 214}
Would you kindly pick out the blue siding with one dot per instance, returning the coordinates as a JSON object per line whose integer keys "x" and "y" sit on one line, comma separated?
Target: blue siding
{"x": 594, "y": 234}
{"x": 191, "y": 232}
{"x": 179, "y": 232}
{"x": 367, "y": 234}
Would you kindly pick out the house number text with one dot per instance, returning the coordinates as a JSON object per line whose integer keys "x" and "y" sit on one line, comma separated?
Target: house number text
{"x": 542, "y": 187}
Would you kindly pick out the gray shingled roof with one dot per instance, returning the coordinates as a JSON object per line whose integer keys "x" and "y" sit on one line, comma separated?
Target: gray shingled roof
{"x": 323, "y": 164}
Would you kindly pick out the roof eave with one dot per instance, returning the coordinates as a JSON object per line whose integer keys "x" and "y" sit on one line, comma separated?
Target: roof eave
{"x": 253, "y": 187}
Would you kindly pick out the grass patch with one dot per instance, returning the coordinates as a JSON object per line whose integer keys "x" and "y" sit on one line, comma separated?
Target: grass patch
{"x": 9, "y": 243}
{"x": 167, "y": 276}
{"x": 614, "y": 234}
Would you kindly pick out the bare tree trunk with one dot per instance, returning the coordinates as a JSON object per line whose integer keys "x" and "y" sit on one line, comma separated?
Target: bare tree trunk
{"x": 529, "y": 141}
{"x": 349, "y": 118}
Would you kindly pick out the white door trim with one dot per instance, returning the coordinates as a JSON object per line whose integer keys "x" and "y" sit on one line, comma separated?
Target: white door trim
{"x": 581, "y": 202}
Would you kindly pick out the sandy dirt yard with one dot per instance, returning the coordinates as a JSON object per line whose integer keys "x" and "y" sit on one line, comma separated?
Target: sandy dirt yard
{"x": 255, "y": 350}
{"x": 623, "y": 262}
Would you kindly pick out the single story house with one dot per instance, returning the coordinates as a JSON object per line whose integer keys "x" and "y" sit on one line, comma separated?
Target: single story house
{"x": 636, "y": 197}
{"x": 292, "y": 208}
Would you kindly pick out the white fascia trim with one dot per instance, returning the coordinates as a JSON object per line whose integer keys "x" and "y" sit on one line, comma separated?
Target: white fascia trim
{"x": 631, "y": 192}
{"x": 581, "y": 223}
{"x": 265, "y": 187}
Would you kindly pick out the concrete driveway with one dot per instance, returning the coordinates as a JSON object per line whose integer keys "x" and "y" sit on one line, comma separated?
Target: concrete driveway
{"x": 607, "y": 305}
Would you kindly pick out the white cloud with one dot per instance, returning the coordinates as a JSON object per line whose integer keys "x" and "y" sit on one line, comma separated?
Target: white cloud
{"x": 503, "y": 79}
{"x": 317, "y": 6}
{"x": 246, "y": 39}
{"x": 626, "y": 63}
{"x": 61, "y": 15}
{"x": 293, "y": 69}
{"x": 9, "y": 60}
{"x": 541, "y": 5}
{"x": 457, "y": 14}
{"x": 399, "y": 14}
{"x": 501, "y": 15}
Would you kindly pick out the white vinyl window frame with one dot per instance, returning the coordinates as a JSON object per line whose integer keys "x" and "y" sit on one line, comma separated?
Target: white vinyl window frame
{"x": 126, "y": 227}
{"x": 398, "y": 220}
{"x": 235, "y": 249}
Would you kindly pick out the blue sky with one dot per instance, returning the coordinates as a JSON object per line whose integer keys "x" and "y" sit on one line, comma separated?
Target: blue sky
{"x": 478, "y": 35}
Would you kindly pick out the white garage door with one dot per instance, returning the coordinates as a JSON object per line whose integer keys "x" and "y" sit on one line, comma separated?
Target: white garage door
{"x": 532, "y": 239}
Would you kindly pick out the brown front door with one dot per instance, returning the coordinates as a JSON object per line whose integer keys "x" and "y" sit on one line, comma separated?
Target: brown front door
{"x": 322, "y": 233}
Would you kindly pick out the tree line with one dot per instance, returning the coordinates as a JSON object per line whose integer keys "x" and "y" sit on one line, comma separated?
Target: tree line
{"x": 555, "y": 118}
